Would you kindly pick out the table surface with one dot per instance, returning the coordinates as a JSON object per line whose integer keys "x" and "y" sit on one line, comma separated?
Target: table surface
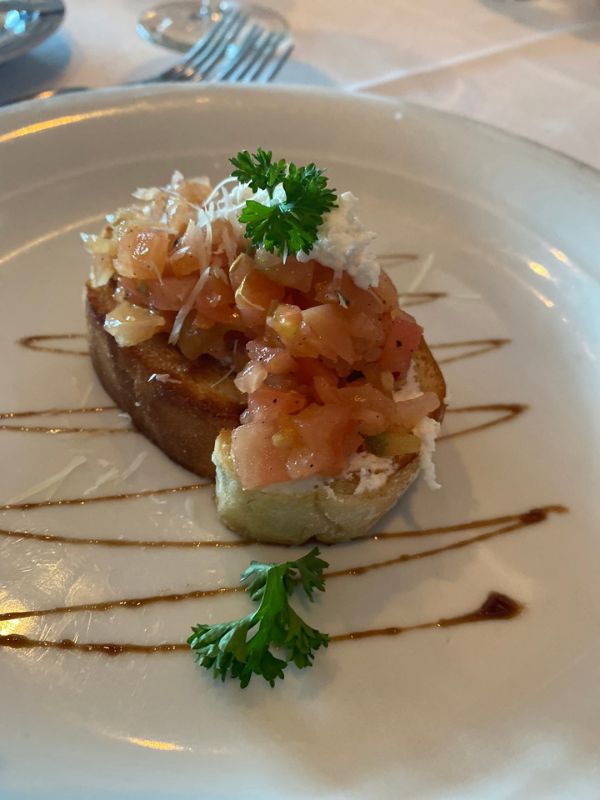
{"x": 529, "y": 66}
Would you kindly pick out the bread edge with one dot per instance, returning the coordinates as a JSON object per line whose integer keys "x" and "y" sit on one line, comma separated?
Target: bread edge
{"x": 328, "y": 513}
{"x": 181, "y": 418}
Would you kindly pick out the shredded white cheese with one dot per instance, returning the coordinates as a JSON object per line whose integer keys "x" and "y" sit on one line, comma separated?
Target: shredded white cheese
{"x": 110, "y": 475}
{"x": 162, "y": 377}
{"x": 427, "y": 430}
{"x": 52, "y": 483}
{"x": 135, "y": 465}
{"x": 187, "y": 306}
{"x": 372, "y": 471}
{"x": 344, "y": 244}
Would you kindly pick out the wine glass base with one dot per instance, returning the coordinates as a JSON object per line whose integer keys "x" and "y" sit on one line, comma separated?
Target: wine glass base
{"x": 180, "y": 23}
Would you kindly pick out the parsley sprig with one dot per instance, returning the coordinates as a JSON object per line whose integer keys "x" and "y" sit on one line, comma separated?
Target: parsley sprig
{"x": 289, "y": 226}
{"x": 242, "y": 648}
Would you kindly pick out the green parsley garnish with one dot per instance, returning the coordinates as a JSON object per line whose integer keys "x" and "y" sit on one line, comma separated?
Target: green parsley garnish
{"x": 242, "y": 648}
{"x": 289, "y": 226}
{"x": 258, "y": 170}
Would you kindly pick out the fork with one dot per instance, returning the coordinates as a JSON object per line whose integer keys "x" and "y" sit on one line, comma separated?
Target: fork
{"x": 227, "y": 52}
{"x": 258, "y": 56}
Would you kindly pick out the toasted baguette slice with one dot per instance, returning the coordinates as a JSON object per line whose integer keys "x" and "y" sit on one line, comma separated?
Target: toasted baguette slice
{"x": 182, "y": 416}
{"x": 326, "y": 512}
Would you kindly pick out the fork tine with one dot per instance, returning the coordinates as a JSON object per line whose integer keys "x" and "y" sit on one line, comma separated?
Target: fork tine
{"x": 264, "y": 57}
{"x": 216, "y": 31}
{"x": 244, "y": 49}
{"x": 203, "y": 48}
{"x": 250, "y": 56}
{"x": 263, "y": 43}
{"x": 200, "y": 69}
{"x": 277, "y": 64}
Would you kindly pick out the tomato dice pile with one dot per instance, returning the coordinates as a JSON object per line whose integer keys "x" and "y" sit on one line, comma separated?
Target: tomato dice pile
{"x": 318, "y": 357}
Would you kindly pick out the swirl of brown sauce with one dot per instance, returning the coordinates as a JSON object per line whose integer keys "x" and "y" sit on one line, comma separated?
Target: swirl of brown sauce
{"x": 495, "y": 607}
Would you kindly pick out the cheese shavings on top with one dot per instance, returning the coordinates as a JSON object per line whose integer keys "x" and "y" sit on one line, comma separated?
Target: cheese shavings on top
{"x": 344, "y": 244}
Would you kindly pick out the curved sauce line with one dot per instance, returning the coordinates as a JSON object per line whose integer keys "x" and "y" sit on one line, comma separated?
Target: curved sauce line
{"x": 399, "y": 257}
{"x": 160, "y": 544}
{"x": 33, "y": 343}
{"x": 507, "y": 411}
{"x": 50, "y": 412}
{"x": 495, "y": 607}
{"x": 125, "y": 602}
{"x": 104, "y": 498}
{"x": 478, "y": 347}
{"x": 532, "y": 517}
{"x": 421, "y": 298}
{"x": 518, "y": 522}
{"x": 53, "y": 429}
{"x": 485, "y": 522}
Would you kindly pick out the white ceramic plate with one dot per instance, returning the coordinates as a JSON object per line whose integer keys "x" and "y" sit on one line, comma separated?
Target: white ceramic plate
{"x": 494, "y": 710}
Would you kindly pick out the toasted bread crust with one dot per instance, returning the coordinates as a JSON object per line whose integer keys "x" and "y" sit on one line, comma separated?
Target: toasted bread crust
{"x": 328, "y": 513}
{"x": 183, "y": 416}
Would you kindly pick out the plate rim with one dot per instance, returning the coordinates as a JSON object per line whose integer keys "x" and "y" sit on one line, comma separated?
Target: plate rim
{"x": 74, "y": 101}
{"x": 82, "y": 99}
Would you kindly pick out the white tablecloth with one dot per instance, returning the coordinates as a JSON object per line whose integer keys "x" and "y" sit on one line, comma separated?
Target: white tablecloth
{"x": 529, "y": 66}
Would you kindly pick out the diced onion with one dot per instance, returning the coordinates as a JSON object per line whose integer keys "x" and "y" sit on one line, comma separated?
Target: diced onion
{"x": 131, "y": 324}
{"x": 251, "y": 377}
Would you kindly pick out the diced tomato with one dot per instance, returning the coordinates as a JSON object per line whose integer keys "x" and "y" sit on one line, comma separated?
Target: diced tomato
{"x": 184, "y": 264}
{"x": 386, "y": 291}
{"x": 379, "y": 378}
{"x": 254, "y": 297}
{"x": 410, "y": 412}
{"x": 215, "y": 301}
{"x": 326, "y": 390}
{"x": 228, "y": 315}
{"x": 270, "y": 404}
{"x": 402, "y": 339}
{"x": 310, "y": 368}
{"x": 166, "y": 295}
{"x": 285, "y": 321}
{"x": 331, "y": 331}
{"x": 257, "y": 460}
{"x": 242, "y": 265}
{"x": 367, "y": 336}
{"x": 251, "y": 378}
{"x": 293, "y": 274}
{"x": 197, "y": 339}
{"x": 372, "y": 410}
{"x": 343, "y": 291}
{"x": 142, "y": 253}
{"x": 276, "y": 360}
{"x": 328, "y": 436}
